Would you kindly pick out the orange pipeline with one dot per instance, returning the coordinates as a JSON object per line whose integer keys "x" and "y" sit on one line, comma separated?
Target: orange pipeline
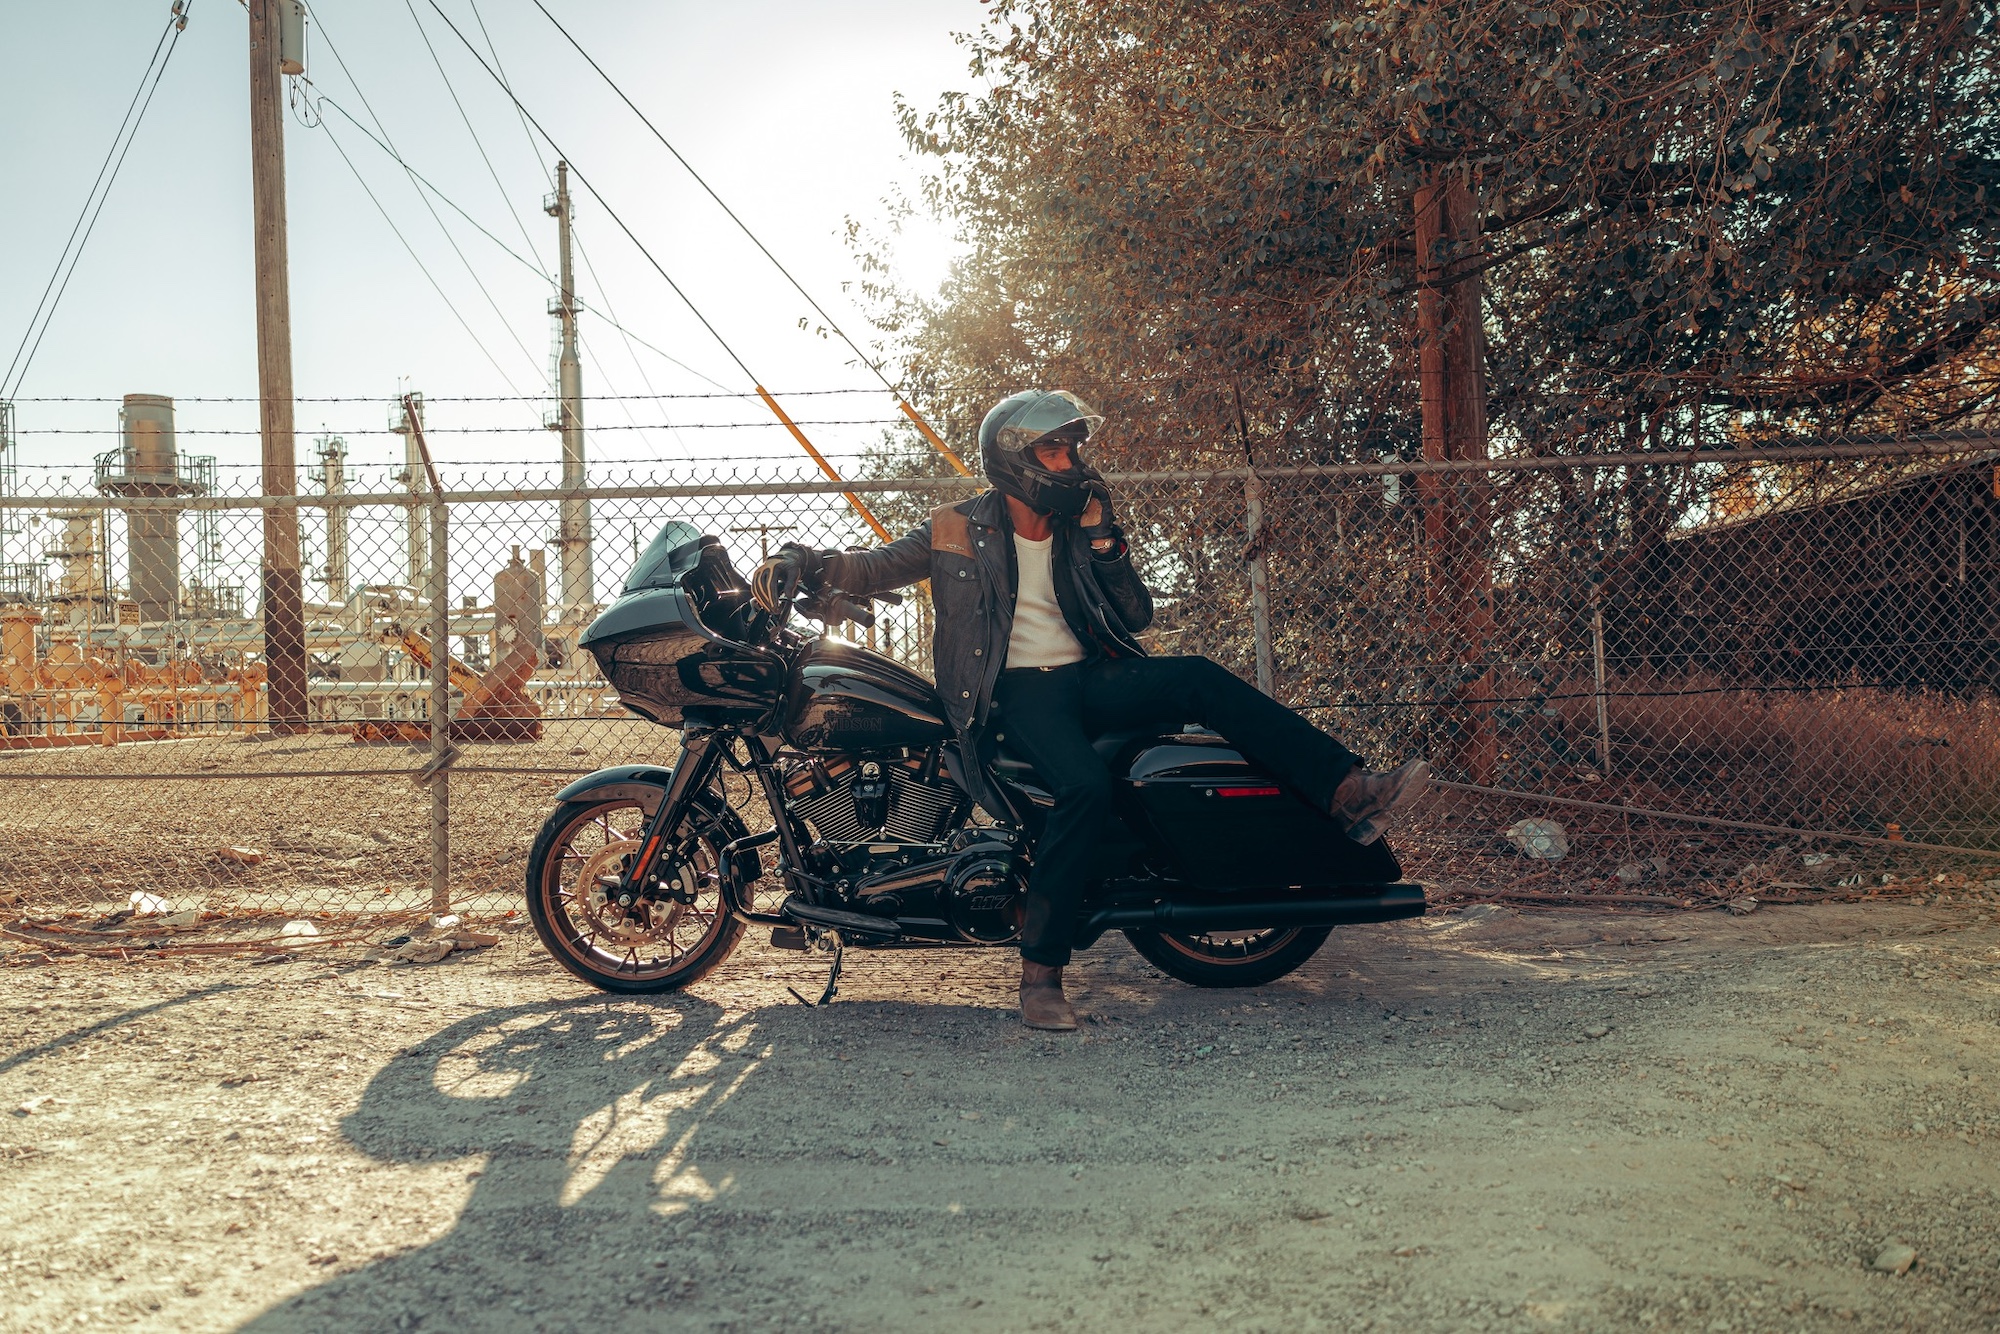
{"x": 825, "y": 467}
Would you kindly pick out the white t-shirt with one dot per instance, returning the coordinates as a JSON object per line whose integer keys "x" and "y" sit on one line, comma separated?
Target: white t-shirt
{"x": 1041, "y": 636}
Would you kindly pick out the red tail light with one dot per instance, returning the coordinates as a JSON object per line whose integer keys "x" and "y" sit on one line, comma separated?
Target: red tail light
{"x": 1247, "y": 791}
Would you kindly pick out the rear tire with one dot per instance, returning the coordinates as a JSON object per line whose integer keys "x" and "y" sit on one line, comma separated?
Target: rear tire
{"x": 662, "y": 944}
{"x": 1245, "y": 959}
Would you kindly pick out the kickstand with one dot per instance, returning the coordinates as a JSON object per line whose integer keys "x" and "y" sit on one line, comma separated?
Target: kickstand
{"x": 825, "y": 942}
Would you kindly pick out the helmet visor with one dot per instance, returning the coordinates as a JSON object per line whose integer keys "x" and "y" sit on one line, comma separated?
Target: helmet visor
{"x": 1054, "y": 411}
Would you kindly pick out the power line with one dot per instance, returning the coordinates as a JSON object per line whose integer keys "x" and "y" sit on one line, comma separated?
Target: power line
{"x": 334, "y": 139}
{"x": 644, "y": 378}
{"x": 520, "y": 115}
{"x": 325, "y": 101}
{"x": 424, "y": 181}
{"x": 602, "y": 202}
{"x": 831, "y": 323}
{"x": 450, "y": 240}
{"x": 170, "y": 37}
{"x": 597, "y": 365}
{"x": 505, "y": 198}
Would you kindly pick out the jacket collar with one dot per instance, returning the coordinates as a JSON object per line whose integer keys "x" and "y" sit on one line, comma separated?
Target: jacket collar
{"x": 988, "y": 509}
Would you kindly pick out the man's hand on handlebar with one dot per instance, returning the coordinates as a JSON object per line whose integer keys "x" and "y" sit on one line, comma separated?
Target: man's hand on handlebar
{"x": 780, "y": 578}
{"x": 796, "y": 570}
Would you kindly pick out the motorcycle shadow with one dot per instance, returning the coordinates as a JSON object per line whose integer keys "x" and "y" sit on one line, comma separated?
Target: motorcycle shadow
{"x": 573, "y": 1124}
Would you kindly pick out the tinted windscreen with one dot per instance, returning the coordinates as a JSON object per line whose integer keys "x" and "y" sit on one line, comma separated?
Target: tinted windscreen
{"x": 671, "y": 554}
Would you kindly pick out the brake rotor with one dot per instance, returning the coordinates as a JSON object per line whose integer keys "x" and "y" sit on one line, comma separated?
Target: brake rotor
{"x": 597, "y": 896}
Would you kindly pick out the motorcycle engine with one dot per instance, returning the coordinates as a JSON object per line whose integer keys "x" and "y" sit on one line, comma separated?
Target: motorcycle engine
{"x": 886, "y": 828}
{"x": 850, "y": 802}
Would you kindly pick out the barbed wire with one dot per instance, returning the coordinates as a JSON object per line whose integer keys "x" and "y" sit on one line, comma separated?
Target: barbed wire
{"x": 482, "y": 430}
{"x": 392, "y": 399}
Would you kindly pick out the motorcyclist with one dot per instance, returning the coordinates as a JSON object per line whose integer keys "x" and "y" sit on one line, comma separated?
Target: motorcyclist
{"x": 1037, "y": 612}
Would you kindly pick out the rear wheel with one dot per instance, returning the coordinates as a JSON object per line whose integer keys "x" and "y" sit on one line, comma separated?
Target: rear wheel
{"x": 1230, "y": 958}
{"x": 673, "y": 935}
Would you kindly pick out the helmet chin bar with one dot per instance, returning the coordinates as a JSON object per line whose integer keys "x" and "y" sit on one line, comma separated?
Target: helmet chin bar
{"x": 1062, "y": 495}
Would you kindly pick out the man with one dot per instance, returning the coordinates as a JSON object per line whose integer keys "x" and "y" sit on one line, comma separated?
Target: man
{"x": 1037, "y": 607}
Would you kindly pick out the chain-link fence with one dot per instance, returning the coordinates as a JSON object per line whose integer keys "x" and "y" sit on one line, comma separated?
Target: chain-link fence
{"x": 1768, "y": 672}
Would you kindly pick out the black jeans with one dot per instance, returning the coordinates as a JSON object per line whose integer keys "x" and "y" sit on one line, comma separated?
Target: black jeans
{"x": 1047, "y": 717}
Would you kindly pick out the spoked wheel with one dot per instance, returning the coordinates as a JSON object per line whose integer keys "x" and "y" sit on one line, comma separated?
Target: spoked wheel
{"x": 1230, "y": 958}
{"x": 673, "y": 934}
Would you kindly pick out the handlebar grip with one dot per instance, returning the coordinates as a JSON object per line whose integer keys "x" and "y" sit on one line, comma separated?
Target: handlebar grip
{"x": 892, "y": 599}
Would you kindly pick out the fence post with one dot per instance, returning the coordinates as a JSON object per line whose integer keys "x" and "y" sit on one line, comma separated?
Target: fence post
{"x": 1260, "y": 577}
{"x": 1597, "y": 665}
{"x": 438, "y": 590}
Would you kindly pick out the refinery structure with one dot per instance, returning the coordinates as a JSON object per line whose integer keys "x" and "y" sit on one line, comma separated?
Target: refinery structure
{"x": 123, "y": 618}
{"x": 159, "y": 604}
{"x": 119, "y": 620}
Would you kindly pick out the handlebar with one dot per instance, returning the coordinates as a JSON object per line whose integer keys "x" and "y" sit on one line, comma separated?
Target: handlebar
{"x": 723, "y": 598}
{"x": 832, "y": 606}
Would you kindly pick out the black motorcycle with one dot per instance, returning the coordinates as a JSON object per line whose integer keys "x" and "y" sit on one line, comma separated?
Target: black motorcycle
{"x": 645, "y": 877}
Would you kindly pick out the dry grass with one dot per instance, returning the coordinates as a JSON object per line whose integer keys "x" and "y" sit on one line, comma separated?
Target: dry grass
{"x": 1854, "y": 760}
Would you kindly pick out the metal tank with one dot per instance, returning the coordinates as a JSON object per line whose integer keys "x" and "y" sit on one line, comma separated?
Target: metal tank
{"x": 518, "y": 596}
{"x": 147, "y": 466}
{"x": 18, "y": 657}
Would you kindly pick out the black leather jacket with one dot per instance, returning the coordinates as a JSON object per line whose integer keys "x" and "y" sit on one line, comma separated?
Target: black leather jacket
{"x": 966, "y": 550}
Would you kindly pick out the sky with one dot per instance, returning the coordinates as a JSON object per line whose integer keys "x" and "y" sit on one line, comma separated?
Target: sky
{"x": 786, "y": 107}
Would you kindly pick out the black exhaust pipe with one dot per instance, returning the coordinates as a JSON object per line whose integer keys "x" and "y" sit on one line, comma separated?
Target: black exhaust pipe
{"x": 856, "y": 924}
{"x": 1378, "y": 903}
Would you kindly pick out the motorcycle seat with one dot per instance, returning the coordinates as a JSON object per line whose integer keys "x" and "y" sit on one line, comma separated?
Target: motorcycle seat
{"x": 1014, "y": 767}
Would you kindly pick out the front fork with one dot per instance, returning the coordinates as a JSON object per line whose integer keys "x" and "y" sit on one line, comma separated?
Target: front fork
{"x": 703, "y": 751}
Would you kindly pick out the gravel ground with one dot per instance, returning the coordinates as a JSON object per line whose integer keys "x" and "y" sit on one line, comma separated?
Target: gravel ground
{"x": 1488, "y": 1120}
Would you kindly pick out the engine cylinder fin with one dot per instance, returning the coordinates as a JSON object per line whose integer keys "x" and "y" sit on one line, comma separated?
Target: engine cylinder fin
{"x": 918, "y": 812}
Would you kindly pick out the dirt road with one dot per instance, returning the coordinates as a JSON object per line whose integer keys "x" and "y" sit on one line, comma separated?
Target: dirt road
{"x": 1483, "y": 1121}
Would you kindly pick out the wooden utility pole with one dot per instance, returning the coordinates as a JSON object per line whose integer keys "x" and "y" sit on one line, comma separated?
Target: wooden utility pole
{"x": 573, "y": 538}
{"x": 1451, "y": 346}
{"x": 283, "y": 598}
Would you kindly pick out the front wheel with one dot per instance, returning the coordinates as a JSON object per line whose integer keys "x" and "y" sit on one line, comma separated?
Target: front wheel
{"x": 675, "y": 934}
{"x": 1230, "y": 958}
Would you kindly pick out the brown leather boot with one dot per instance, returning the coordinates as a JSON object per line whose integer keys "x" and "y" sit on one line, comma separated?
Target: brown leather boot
{"x": 1042, "y": 1002}
{"x": 1364, "y": 802}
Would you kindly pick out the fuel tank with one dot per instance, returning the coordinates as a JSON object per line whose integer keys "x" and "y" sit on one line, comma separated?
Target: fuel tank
{"x": 851, "y": 699}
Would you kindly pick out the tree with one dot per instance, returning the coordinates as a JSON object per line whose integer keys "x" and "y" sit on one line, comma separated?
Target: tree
{"x": 1688, "y": 225}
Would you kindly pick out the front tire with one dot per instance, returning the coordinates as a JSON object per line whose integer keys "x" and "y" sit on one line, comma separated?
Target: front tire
{"x": 661, "y": 942}
{"x": 1229, "y": 959}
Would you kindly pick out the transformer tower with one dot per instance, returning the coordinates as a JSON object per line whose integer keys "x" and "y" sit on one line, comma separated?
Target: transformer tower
{"x": 573, "y": 522}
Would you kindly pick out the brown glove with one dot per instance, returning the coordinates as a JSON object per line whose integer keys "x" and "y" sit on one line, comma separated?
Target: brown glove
{"x": 782, "y": 577}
